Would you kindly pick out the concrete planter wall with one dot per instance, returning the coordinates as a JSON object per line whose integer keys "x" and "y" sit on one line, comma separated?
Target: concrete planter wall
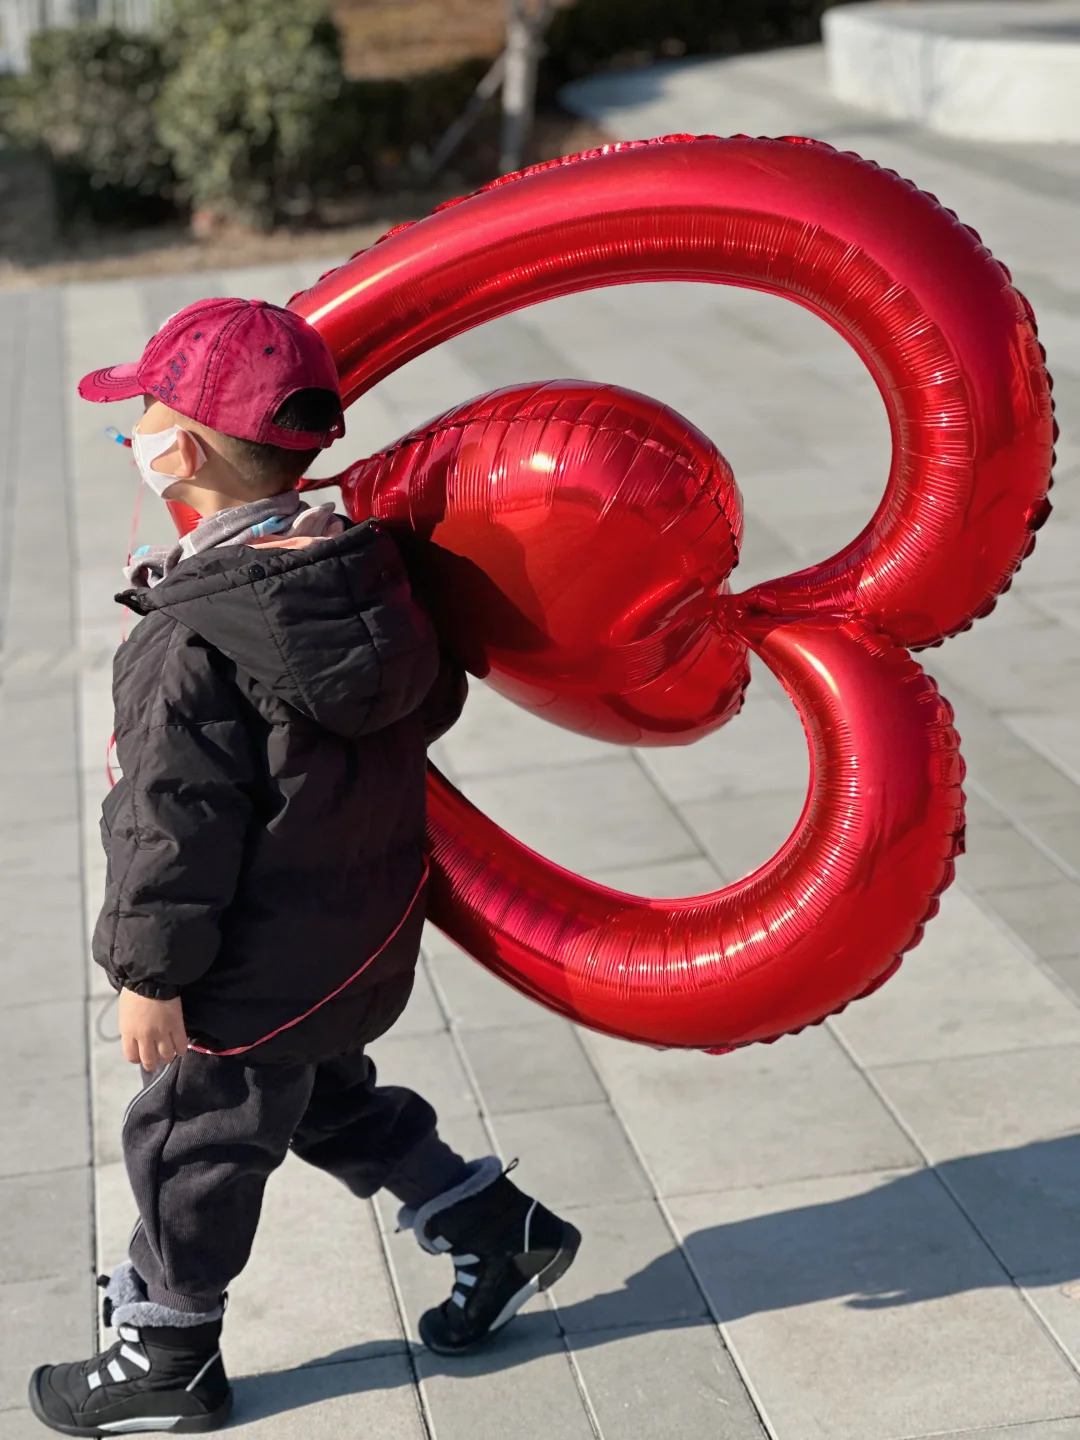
{"x": 980, "y": 69}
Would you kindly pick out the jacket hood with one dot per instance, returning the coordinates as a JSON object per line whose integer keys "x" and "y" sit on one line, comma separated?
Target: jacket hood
{"x": 325, "y": 627}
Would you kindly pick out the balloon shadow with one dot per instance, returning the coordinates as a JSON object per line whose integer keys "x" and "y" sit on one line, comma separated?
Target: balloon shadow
{"x": 974, "y": 1223}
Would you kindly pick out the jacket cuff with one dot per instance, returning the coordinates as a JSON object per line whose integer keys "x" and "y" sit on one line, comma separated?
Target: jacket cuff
{"x": 151, "y": 989}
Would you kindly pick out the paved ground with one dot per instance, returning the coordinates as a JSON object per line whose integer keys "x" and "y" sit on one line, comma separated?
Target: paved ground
{"x": 866, "y": 1233}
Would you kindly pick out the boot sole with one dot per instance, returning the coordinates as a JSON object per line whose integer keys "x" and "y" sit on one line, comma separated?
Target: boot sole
{"x": 136, "y": 1425}
{"x": 553, "y": 1271}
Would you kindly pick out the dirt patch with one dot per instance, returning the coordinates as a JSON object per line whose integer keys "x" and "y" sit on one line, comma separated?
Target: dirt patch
{"x": 384, "y": 40}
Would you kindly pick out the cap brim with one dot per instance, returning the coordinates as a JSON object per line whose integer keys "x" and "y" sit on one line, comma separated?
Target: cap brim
{"x": 118, "y": 382}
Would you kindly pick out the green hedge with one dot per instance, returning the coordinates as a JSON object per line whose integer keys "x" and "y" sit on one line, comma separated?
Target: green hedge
{"x": 245, "y": 109}
{"x": 240, "y": 109}
{"x": 89, "y": 101}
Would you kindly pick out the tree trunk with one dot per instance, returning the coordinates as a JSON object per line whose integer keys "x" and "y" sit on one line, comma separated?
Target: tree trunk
{"x": 519, "y": 84}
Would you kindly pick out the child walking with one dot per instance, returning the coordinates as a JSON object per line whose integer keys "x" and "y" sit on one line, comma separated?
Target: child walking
{"x": 266, "y": 876}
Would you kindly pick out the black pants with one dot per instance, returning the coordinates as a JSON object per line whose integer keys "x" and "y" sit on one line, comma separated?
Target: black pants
{"x": 205, "y": 1134}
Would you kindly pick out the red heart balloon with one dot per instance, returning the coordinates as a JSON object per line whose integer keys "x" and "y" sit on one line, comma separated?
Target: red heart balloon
{"x": 954, "y": 350}
{"x": 577, "y": 538}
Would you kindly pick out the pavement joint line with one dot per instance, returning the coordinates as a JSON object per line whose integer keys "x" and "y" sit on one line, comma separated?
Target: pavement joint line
{"x": 1018, "y": 1425}
{"x": 37, "y": 1174}
{"x": 427, "y": 1419}
{"x": 1047, "y": 754}
{"x": 942, "y": 1180}
{"x": 579, "y": 1381}
{"x": 981, "y": 900}
{"x": 700, "y": 852}
{"x": 11, "y": 470}
{"x": 976, "y": 1055}
{"x": 726, "y": 1340}
{"x": 540, "y": 769}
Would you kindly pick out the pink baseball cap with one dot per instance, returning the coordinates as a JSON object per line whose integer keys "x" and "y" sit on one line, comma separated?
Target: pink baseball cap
{"x": 229, "y": 364}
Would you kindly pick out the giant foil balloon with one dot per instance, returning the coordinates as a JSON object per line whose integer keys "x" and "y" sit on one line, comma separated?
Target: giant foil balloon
{"x": 580, "y": 540}
{"x": 581, "y": 537}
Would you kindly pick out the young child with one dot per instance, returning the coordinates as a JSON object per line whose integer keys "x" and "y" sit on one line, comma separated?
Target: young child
{"x": 266, "y": 876}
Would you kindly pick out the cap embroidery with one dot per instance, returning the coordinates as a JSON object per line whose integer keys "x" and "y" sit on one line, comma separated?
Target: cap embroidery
{"x": 177, "y": 366}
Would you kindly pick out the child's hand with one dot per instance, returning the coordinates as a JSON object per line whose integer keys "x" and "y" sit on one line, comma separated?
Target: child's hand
{"x": 151, "y": 1031}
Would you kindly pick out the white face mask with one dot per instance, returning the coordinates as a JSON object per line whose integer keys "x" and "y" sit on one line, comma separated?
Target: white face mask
{"x": 146, "y": 448}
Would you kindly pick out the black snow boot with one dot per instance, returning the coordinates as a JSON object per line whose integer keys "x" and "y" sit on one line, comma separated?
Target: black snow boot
{"x": 153, "y": 1378}
{"x": 505, "y": 1247}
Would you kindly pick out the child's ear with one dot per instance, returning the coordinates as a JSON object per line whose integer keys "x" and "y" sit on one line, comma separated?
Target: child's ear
{"x": 188, "y": 458}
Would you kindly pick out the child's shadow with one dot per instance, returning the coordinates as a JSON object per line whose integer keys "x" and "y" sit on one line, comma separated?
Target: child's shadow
{"x": 900, "y": 1241}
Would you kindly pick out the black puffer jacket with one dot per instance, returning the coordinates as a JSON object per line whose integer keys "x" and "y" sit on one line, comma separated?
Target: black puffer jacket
{"x": 272, "y": 715}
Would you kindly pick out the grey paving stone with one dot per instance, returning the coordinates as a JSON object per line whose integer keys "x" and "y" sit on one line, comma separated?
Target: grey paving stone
{"x": 426, "y": 386}
{"x": 974, "y": 1104}
{"x": 742, "y": 834}
{"x": 46, "y": 1229}
{"x": 42, "y": 851}
{"x": 761, "y": 751}
{"x": 472, "y": 995}
{"x": 32, "y": 798}
{"x": 866, "y": 1307}
{"x": 628, "y": 1272}
{"x": 765, "y": 553}
{"x": 572, "y": 1156}
{"x": 522, "y": 1386}
{"x": 1062, "y": 602}
{"x": 679, "y": 1381}
{"x": 45, "y": 1321}
{"x": 1023, "y": 783}
{"x": 1061, "y": 834}
{"x": 1001, "y": 856}
{"x": 423, "y": 1015}
{"x": 525, "y": 1067}
{"x": 1043, "y": 1430}
{"x": 1067, "y": 969}
{"x": 668, "y": 878}
{"x": 326, "y": 1402}
{"x": 1010, "y": 657}
{"x": 316, "y": 1290}
{"x": 494, "y": 736}
{"x": 1057, "y": 736}
{"x": 586, "y": 817}
{"x": 163, "y": 296}
{"x": 813, "y": 487}
{"x": 41, "y": 943}
{"x": 42, "y": 1105}
{"x": 967, "y": 989}
{"x": 1058, "y": 1303}
{"x": 510, "y": 351}
{"x": 114, "y": 1083}
{"x": 1025, "y": 1202}
{"x": 19, "y": 1424}
{"x": 37, "y": 729}
{"x": 1046, "y": 917}
{"x": 428, "y": 1064}
{"x": 763, "y": 1115}
{"x": 816, "y": 537}
{"x": 115, "y": 1215}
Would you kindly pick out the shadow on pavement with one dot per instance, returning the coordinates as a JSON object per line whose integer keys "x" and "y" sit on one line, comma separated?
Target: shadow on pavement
{"x": 901, "y": 1242}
